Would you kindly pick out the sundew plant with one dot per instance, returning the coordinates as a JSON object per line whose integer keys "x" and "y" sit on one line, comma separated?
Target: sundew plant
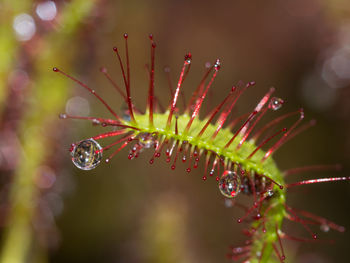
{"x": 235, "y": 155}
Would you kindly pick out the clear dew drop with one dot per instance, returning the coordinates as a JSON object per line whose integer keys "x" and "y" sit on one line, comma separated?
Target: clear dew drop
{"x": 230, "y": 184}
{"x": 87, "y": 154}
{"x": 188, "y": 58}
{"x": 146, "y": 140}
{"x": 63, "y": 116}
{"x": 217, "y": 65}
{"x": 276, "y": 103}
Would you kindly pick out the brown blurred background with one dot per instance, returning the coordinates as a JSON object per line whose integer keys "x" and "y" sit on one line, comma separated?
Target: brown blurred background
{"x": 130, "y": 211}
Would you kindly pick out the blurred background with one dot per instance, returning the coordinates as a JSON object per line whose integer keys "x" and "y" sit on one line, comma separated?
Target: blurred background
{"x": 130, "y": 211}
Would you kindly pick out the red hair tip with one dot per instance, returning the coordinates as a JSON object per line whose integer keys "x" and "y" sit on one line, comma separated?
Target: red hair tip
{"x": 188, "y": 56}
{"x": 55, "y": 69}
{"x": 103, "y": 69}
{"x": 63, "y": 116}
{"x": 115, "y": 49}
{"x": 150, "y": 36}
{"x": 126, "y": 35}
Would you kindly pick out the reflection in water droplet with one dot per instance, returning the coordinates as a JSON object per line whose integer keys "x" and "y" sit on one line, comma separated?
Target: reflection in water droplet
{"x": 87, "y": 154}
{"x": 275, "y": 103}
{"x": 230, "y": 184}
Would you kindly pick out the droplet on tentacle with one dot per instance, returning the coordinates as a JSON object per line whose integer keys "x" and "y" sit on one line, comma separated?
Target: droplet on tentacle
{"x": 230, "y": 184}
{"x": 146, "y": 140}
{"x": 217, "y": 65}
{"x": 63, "y": 116}
{"x": 188, "y": 58}
{"x": 95, "y": 122}
{"x": 270, "y": 193}
{"x": 276, "y": 103}
{"x": 87, "y": 154}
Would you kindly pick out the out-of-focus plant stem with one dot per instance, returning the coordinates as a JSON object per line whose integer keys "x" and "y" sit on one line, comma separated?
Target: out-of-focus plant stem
{"x": 47, "y": 98}
{"x": 8, "y": 43}
{"x": 164, "y": 235}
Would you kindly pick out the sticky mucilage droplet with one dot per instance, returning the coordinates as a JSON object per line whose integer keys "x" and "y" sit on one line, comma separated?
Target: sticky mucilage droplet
{"x": 87, "y": 154}
{"x": 230, "y": 184}
{"x": 276, "y": 103}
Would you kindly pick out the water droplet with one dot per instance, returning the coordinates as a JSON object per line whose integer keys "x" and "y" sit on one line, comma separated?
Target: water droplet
{"x": 217, "y": 65}
{"x": 188, "y": 58}
{"x": 63, "y": 116}
{"x": 270, "y": 192}
{"x": 95, "y": 122}
{"x": 276, "y": 103}
{"x": 87, "y": 154}
{"x": 146, "y": 140}
{"x": 324, "y": 227}
{"x": 229, "y": 184}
